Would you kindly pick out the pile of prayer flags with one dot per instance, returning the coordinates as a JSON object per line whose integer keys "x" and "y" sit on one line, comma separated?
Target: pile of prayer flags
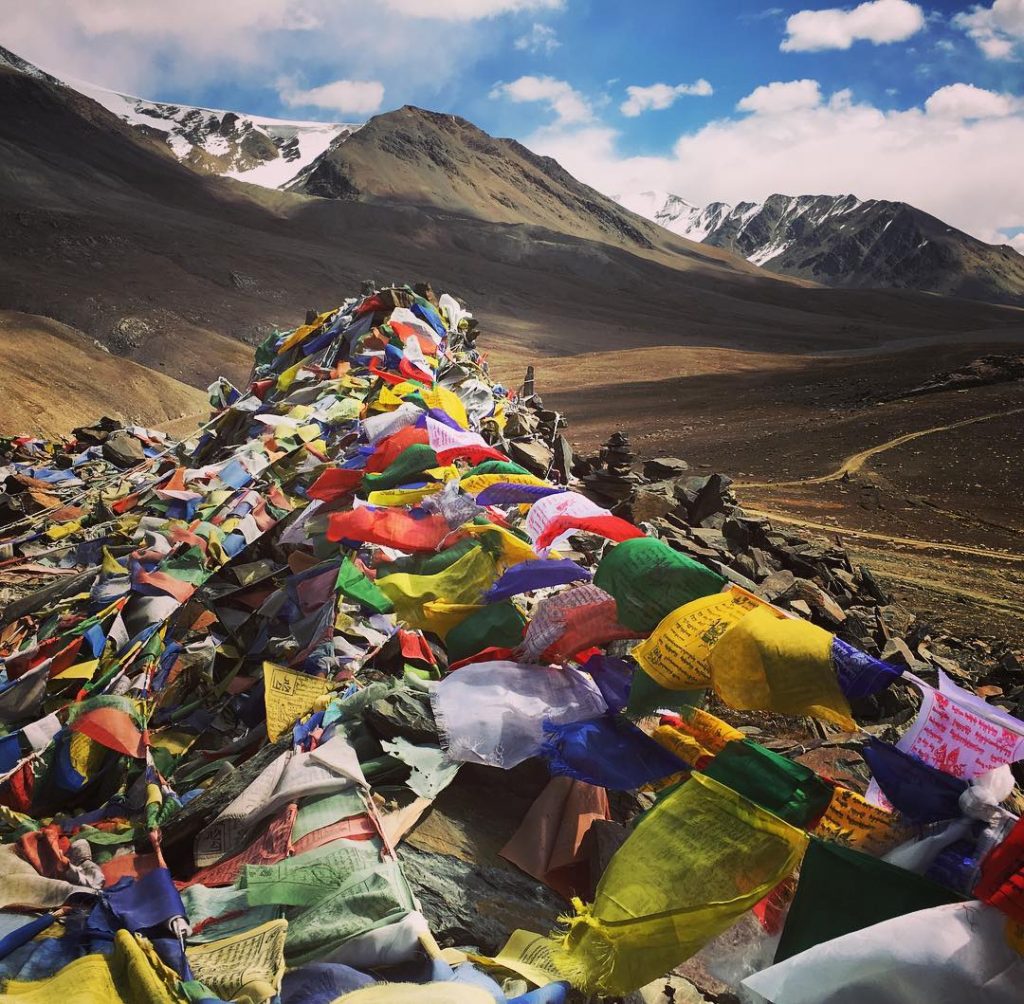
{"x": 259, "y": 656}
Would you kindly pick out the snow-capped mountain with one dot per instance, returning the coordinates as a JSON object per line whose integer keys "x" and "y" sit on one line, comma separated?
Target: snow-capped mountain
{"x": 840, "y": 240}
{"x": 259, "y": 150}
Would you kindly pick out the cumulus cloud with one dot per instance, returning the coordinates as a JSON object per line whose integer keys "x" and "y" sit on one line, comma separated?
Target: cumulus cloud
{"x": 540, "y": 38}
{"x": 565, "y": 101}
{"x": 778, "y": 97}
{"x": 657, "y": 97}
{"x": 356, "y": 97}
{"x": 965, "y": 101}
{"x": 173, "y": 51}
{"x": 998, "y": 30}
{"x": 796, "y": 140}
{"x": 878, "y": 21}
{"x": 468, "y": 10}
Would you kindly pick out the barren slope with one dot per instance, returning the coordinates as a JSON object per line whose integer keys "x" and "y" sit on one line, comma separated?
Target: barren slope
{"x": 55, "y": 379}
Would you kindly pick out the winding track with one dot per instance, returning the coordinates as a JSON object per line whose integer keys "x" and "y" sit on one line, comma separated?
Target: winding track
{"x": 912, "y": 542}
{"x": 856, "y": 461}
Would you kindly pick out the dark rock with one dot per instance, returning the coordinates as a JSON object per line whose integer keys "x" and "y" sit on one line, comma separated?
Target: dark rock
{"x": 404, "y": 713}
{"x": 533, "y": 455}
{"x": 777, "y": 584}
{"x": 664, "y": 468}
{"x": 123, "y": 449}
{"x": 563, "y": 459}
{"x": 710, "y": 498}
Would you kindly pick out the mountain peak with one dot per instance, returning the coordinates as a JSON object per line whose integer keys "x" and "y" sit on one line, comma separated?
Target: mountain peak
{"x": 840, "y": 240}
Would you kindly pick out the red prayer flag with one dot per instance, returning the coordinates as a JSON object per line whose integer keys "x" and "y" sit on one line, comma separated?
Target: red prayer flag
{"x": 390, "y": 527}
{"x": 1002, "y": 875}
{"x": 334, "y": 483}
{"x": 611, "y": 527}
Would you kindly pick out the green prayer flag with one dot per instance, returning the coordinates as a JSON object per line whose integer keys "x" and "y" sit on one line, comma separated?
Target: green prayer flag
{"x": 496, "y": 467}
{"x": 649, "y": 580}
{"x": 352, "y": 583}
{"x": 842, "y": 891}
{"x": 497, "y": 624}
{"x": 647, "y": 696}
{"x": 427, "y": 564}
{"x": 407, "y": 467}
{"x": 786, "y": 789}
{"x": 325, "y": 810}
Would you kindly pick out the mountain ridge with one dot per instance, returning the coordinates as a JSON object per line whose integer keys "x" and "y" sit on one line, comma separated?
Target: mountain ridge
{"x": 103, "y": 229}
{"x": 843, "y": 241}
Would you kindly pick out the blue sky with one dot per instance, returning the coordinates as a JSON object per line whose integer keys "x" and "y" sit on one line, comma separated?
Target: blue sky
{"x": 887, "y": 98}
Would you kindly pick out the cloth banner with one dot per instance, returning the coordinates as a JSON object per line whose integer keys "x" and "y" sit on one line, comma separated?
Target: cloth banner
{"x": 918, "y": 791}
{"x": 695, "y": 863}
{"x": 649, "y": 580}
{"x": 390, "y": 527}
{"x": 547, "y": 509}
{"x": 783, "y": 787}
{"x": 495, "y": 712}
{"x": 765, "y": 664}
{"x": 677, "y": 655}
{"x": 547, "y": 843}
{"x": 539, "y": 574}
{"x": 960, "y": 733}
{"x": 841, "y": 891}
{"x": 945, "y": 955}
{"x": 610, "y": 752}
{"x": 289, "y": 695}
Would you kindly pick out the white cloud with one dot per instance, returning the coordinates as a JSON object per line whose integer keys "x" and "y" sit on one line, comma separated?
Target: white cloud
{"x": 998, "y": 30}
{"x": 468, "y": 10}
{"x": 878, "y": 21}
{"x": 948, "y": 158}
{"x": 173, "y": 51}
{"x": 356, "y": 97}
{"x": 657, "y": 97}
{"x": 965, "y": 101}
{"x": 567, "y": 103}
{"x": 778, "y": 97}
{"x": 1016, "y": 242}
{"x": 540, "y": 38}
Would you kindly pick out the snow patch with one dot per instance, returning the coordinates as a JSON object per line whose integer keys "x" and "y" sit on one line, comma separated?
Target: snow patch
{"x": 768, "y": 252}
{"x": 188, "y": 128}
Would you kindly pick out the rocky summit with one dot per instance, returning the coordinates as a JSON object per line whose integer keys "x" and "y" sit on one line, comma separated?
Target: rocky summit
{"x": 840, "y": 240}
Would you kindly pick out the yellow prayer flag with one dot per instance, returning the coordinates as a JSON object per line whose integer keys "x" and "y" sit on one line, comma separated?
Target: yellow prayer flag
{"x": 474, "y": 484}
{"x": 289, "y": 695}
{"x": 513, "y": 549}
{"x": 79, "y": 671}
{"x": 695, "y": 863}
{"x": 766, "y": 664}
{"x": 61, "y": 530}
{"x": 131, "y": 973}
{"x": 295, "y": 337}
{"x": 403, "y": 496}
{"x": 464, "y": 581}
{"x": 345, "y": 409}
{"x": 111, "y": 566}
{"x": 287, "y": 377}
{"x": 711, "y": 732}
{"x": 175, "y": 741}
{"x": 678, "y": 743}
{"x": 526, "y": 954}
{"x": 854, "y": 822}
{"x": 443, "y": 616}
{"x": 677, "y": 652}
{"x": 247, "y": 967}
{"x": 446, "y": 401}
